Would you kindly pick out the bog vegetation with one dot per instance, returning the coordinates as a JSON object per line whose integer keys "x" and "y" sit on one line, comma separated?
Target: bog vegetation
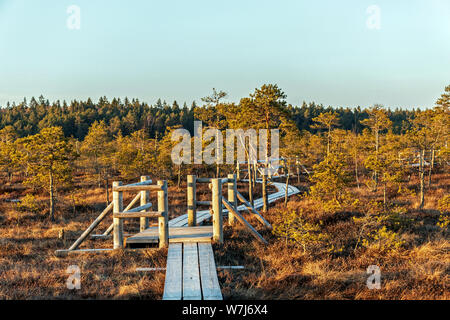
{"x": 375, "y": 188}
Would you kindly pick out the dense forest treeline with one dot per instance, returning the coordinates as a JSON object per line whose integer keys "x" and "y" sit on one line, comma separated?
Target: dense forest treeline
{"x": 128, "y": 116}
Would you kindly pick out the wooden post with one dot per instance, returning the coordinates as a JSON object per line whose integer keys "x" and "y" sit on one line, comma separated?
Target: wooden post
{"x": 118, "y": 223}
{"x": 163, "y": 222}
{"x": 250, "y": 182}
{"x": 264, "y": 192}
{"x": 286, "y": 165}
{"x": 238, "y": 171}
{"x": 192, "y": 200}
{"x": 145, "y": 196}
{"x": 217, "y": 210}
{"x": 232, "y": 197}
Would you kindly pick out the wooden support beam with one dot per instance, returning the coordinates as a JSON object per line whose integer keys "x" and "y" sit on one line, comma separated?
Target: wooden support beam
{"x": 264, "y": 193}
{"x": 149, "y": 269}
{"x": 163, "y": 221}
{"x": 145, "y": 196}
{"x": 63, "y": 253}
{"x": 192, "y": 200}
{"x": 253, "y": 210}
{"x": 118, "y": 223}
{"x": 232, "y": 198}
{"x": 243, "y": 221}
{"x": 204, "y": 180}
{"x": 230, "y": 267}
{"x": 217, "y": 210}
{"x": 94, "y": 224}
{"x": 250, "y": 182}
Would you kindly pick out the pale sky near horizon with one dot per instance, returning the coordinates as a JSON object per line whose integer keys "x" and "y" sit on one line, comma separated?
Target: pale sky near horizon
{"x": 321, "y": 51}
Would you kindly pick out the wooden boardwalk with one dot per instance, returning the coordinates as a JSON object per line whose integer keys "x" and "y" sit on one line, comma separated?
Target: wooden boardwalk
{"x": 191, "y": 270}
{"x": 191, "y": 273}
{"x": 176, "y": 234}
{"x": 204, "y": 215}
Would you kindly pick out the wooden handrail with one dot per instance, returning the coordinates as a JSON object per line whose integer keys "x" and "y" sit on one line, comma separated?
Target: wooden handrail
{"x": 142, "y": 183}
{"x": 138, "y": 188}
{"x": 144, "y": 214}
{"x": 204, "y": 203}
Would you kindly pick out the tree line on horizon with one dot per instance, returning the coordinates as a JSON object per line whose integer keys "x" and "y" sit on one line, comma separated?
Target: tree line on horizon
{"x": 128, "y": 116}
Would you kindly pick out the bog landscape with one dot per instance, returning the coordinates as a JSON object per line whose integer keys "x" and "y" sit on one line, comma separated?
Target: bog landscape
{"x": 352, "y": 189}
{"x": 230, "y": 151}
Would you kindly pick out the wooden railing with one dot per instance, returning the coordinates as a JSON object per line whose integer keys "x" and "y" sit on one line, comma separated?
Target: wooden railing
{"x": 119, "y": 213}
{"x": 142, "y": 211}
{"x": 218, "y": 201}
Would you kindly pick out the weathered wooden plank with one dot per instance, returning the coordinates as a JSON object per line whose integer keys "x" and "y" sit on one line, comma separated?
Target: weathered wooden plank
{"x": 191, "y": 274}
{"x": 173, "y": 284}
{"x": 208, "y": 273}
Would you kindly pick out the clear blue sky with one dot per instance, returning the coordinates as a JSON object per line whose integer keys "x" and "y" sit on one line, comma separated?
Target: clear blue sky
{"x": 318, "y": 51}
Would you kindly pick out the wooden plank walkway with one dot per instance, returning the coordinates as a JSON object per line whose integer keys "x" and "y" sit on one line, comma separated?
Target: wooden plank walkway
{"x": 176, "y": 234}
{"x": 191, "y": 273}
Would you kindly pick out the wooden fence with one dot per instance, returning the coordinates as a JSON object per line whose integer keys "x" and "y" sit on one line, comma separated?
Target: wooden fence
{"x": 218, "y": 202}
{"x": 141, "y": 212}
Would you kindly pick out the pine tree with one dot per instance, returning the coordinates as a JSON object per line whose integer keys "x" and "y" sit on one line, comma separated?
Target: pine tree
{"x": 378, "y": 121}
{"x": 48, "y": 156}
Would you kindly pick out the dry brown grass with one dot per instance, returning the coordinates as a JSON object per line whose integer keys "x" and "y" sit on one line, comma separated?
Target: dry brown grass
{"x": 30, "y": 270}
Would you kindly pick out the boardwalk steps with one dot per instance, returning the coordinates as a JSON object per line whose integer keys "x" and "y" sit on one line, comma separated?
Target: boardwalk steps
{"x": 191, "y": 273}
{"x": 176, "y": 234}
